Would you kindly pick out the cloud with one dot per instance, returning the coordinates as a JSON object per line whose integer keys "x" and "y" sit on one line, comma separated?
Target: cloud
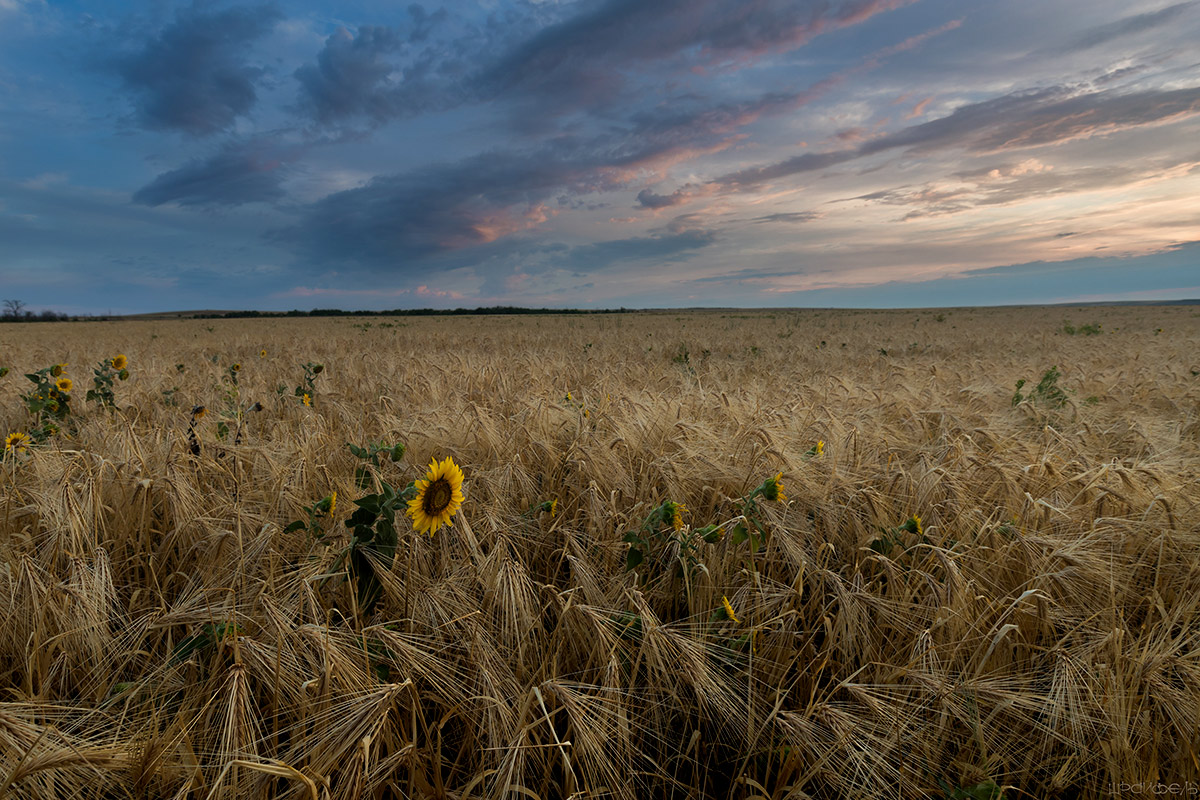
{"x": 434, "y": 209}
{"x": 662, "y": 248}
{"x": 234, "y": 176}
{"x": 794, "y": 217}
{"x": 194, "y": 77}
{"x": 1013, "y": 121}
{"x": 1008, "y": 183}
{"x": 351, "y": 75}
{"x": 373, "y": 73}
{"x": 581, "y": 50}
{"x": 648, "y": 199}
{"x": 1136, "y": 23}
{"x": 491, "y": 195}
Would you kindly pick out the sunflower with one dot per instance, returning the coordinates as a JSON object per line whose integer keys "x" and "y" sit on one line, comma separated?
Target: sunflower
{"x": 119, "y": 362}
{"x": 773, "y": 488}
{"x": 16, "y": 442}
{"x": 63, "y": 384}
{"x": 58, "y": 369}
{"x": 673, "y": 513}
{"x": 439, "y": 496}
{"x": 306, "y": 399}
{"x": 729, "y": 609}
{"x": 262, "y": 353}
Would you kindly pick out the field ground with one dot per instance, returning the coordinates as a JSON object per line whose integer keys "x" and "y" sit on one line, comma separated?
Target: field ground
{"x": 956, "y": 595}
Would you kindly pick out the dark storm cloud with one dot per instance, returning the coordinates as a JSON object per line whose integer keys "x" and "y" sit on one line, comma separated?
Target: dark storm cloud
{"x": 1013, "y": 121}
{"x": 362, "y": 75}
{"x": 666, "y": 247}
{"x": 583, "y": 54}
{"x": 648, "y": 199}
{"x": 581, "y": 63}
{"x": 1136, "y": 23}
{"x": 433, "y": 209}
{"x": 484, "y": 197}
{"x": 234, "y": 176}
{"x": 351, "y": 75}
{"x": 194, "y": 77}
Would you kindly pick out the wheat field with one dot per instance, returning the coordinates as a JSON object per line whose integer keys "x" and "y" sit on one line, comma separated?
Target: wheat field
{"x": 956, "y": 595}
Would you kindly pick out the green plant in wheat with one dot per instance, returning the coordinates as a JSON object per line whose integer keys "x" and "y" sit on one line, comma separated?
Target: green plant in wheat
{"x": 104, "y": 376}
{"x": 204, "y": 642}
{"x": 372, "y": 530}
{"x": 1047, "y": 392}
{"x": 662, "y": 536}
{"x": 306, "y": 390}
{"x": 365, "y": 473}
{"x": 899, "y": 536}
{"x": 49, "y": 401}
{"x": 750, "y": 527}
{"x": 373, "y": 534}
{"x": 234, "y": 411}
{"x": 372, "y": 525}
{"x": 321, "y": 509}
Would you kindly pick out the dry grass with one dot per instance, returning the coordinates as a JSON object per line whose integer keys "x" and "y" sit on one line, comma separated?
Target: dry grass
{"x": 1043, "y": 633}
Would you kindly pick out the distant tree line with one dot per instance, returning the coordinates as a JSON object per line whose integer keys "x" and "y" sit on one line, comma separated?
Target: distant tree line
{"x": 409, "y": 312}
{"x": 15, "y": 311}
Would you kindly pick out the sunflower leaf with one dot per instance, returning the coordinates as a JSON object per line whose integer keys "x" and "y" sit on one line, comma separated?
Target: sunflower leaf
{"x": 634, "y": 558}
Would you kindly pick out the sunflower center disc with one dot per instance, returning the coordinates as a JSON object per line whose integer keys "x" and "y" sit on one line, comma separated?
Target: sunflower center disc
{"x": 437, "y": 497}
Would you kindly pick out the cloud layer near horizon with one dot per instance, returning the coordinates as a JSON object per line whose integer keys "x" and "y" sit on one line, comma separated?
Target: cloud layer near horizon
{"x": 612, "y": 152}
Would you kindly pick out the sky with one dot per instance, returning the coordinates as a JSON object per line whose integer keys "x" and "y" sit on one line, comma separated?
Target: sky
{"x": 361, "y": 154}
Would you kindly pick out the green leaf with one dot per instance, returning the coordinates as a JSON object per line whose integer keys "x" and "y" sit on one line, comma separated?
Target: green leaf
{"x": 362, "y": 518}
{"x": 633, "y": 538}
{"x": 385, "y": 539}
{"x": 883, "y": 545}
{"x": 740, "y": 534}
{"x": 634, "y": 558}
{"x": 370, "y": 502}
{"x": 356, "y": 450}
{"x": 190, "y": 645}
{"x": 298, "y": 525}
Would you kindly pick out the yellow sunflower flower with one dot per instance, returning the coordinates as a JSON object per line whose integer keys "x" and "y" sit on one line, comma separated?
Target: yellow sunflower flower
{"x": 306, "y": 399}
{"x": 439, "y": 496}
{"x": 58, "y": 369}
{"x": 119, "y": 361}
{"x": 773, "y": 488}
{"x": 729, "y": 609}
{"x": 262, "y": 353}
{"x": 16, "y": 442}
{"x": 674, "y": 512}
{"x": 820, "y": 448}
{"x": 63, "y": 384}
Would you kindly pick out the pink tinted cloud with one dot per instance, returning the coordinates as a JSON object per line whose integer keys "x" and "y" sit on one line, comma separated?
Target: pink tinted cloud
{"x": 919, "y": 108}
